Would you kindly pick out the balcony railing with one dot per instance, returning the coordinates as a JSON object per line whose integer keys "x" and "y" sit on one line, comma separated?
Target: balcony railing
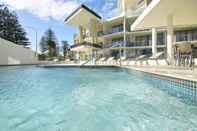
{"x": 131, "y": 44}
{"x": 87, "y": 44}
{"x": 161, "y": 42}
{"x": 114, "y": 30}
{"x": 180, "y": 37}
{"x": 139, "y": 43}
{"x": 128, "y": 44}
{"x": 113, "y": 45}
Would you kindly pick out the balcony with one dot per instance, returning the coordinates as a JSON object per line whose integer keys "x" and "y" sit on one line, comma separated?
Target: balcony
{"x": 139, "y": 44}
{"x": 114, "y": 30}
{"x": 87, "y": 44}
{"x": 113, "y": 44}
{"x": 134, "y": 44}
{"x": 185, "y": 36}
{"x": 128, "y": 44}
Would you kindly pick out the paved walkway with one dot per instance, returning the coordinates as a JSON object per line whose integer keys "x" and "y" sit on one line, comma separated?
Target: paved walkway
{"x": 186, "y": 74}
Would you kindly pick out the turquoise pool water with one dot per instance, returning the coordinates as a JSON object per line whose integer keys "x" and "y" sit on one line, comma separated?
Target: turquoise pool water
{"x": 74, "y": 99}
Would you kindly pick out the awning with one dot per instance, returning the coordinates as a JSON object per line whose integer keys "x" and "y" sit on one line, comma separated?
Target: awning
{"x": 85, "y": 47}
{"x": 156, "y": 14}
{"x": 82, "y": 16}
{"x": 82, "y": 48}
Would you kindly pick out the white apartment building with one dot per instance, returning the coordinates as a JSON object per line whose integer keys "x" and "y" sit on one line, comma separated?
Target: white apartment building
{"x": 141, "y": 27}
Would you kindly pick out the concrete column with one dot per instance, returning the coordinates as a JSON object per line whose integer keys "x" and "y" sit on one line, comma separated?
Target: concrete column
{"x": 104, "y": 30}
{"x": 124, "y": 28}
{"x": 123, "y": 6}
{"x": 154, "y": 41}
{"x": 93, "y": 30}
{"x": 125, "y": 38}
{"x": 146, "y": 2}
{"x": 77, "y": 56}
{"x": 170, "y": 33}
{"x": 90, "y": 31}
{"x": 80, "y": 34}
{"x": 96, "y": 31}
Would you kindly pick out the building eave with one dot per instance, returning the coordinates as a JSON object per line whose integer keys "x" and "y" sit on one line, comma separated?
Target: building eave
{"x": 82, "y": 7}
{"x": 158, "y": 11}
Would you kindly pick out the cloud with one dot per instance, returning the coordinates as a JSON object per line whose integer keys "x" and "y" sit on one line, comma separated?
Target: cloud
{"x": 109, "y": 8}
{"x": 56, "y": 9}
{"x": 59, "y": 9}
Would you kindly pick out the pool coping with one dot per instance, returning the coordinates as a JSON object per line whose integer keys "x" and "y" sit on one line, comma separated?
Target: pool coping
{"x": 173, "y": 76}
{"x": 19, "y": 65}
{"x": 76, "y": 66}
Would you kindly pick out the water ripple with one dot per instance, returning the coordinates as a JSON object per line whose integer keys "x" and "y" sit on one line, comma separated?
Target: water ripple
{"x": 70, "y": 99}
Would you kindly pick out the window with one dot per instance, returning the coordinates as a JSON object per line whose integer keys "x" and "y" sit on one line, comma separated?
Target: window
{"x": 194, "y": 35}
{"x": 160, "y": 39}
{"x": 143, "y": 40}
{"x": 181, "y": 36}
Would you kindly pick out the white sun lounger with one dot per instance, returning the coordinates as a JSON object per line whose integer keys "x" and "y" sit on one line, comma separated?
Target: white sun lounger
{"x": 101, "y": 60}
{"x": 121, "y": 59}
{"x": 140, "y": 57}
{"x": 156, "y": 56}
{"x": 110, "y": 60}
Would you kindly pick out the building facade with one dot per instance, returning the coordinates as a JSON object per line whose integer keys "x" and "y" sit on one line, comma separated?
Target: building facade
{"x": 141, "y": 27}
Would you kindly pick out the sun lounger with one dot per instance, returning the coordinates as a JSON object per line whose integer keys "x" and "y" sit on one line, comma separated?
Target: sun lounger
{"x": 101, "y": 60}
{"x": 67, "y": 61}
{"x": 121, "y": 59}
{"x": 110, "y": 60}
{"x": 156, "y": 56}
{"x": 140, "y": 58}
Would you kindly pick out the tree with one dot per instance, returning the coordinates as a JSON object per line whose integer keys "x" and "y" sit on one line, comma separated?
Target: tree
{"x": 43, "y": 45}
{"x": 49, "y": 43}
{"x": 10, "y": 28}
{"x": 66, "y": 48}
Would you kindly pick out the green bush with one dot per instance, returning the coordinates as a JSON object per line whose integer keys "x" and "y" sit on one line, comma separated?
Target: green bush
{"x": 42, "y": 57}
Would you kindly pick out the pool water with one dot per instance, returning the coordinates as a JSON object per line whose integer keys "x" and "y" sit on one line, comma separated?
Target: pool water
{"x": 75, "y": 99}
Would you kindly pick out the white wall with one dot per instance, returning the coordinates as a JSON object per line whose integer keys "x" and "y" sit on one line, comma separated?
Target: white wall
{"x": 12, "y": 54}
{"x": 195, "y": 61}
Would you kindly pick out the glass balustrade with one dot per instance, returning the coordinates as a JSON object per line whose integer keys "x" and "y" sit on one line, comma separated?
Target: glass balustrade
{"x": 132, "y": 44}
{"x": 181, "y": 36}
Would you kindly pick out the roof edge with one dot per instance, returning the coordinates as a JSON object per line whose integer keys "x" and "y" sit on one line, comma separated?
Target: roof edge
{"x": 148, "y": 9}
{"x": 84, "y": 7}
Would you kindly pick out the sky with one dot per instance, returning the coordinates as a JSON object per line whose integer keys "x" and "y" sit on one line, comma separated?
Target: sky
{"x": 41, "y": 15}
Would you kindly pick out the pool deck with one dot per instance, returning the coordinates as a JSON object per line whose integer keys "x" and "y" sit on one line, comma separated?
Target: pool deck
{"x": 185, "y": 74}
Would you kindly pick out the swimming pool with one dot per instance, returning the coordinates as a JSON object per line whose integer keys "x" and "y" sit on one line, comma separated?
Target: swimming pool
{"x": 75, "y": 99}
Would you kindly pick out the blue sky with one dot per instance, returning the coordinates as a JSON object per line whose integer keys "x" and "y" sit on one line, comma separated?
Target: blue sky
{"x": 44, "y": 14}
